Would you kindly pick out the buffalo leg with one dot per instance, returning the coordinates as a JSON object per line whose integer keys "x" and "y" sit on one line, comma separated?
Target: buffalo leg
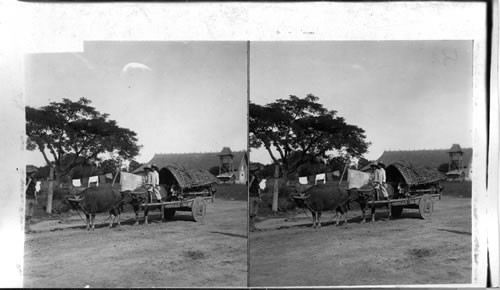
{"x": 112, "y": 220}
{"x": 136, "y": 211}
{"x": 146, "y": 214}
{"x": 92, "y": 219}
{"x": 373, "y": 214}
{"x": 363, "y": 212}
{"x": 389, "y": 211}
{"x": 87, "y": 216}
{"x": 119, "y": 219}
{"x": 313, "y": 214}
{"x": 319, "y": 219}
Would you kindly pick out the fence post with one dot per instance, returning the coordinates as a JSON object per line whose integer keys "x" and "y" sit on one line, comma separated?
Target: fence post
{"x": 50, "y": 190}
{"x": 275, "y": 191}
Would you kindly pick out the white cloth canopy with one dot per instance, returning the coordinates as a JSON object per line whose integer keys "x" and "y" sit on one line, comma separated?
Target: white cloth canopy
{"x": 303, "y": 180}
{"x": 93, "y": 179}
{"x": 38, "y": 186}
{"x": 129, "y": 181}
{"x": 356, "y": 178}
{"x": 320, "y": 177}
{"x": 263, "y": 184}
{"x": 76, "y": 182}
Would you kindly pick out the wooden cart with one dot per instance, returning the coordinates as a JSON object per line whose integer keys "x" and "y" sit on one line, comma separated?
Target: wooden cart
{"x": 187, "y": 190}
{"x": 414, "y": 188}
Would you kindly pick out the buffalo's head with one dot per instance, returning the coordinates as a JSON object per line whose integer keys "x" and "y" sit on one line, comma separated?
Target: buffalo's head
{"x": 300, "y": 199}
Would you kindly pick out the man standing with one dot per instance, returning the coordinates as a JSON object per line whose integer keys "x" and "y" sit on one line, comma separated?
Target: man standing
{"x": 379, "y": 179}
{"x": 254, "y": 196}
{"x": 149, "y": 182}
{"x": 156, "y": 182}
{"x": 30, "y": 197}
{"x": 382, "y": 179}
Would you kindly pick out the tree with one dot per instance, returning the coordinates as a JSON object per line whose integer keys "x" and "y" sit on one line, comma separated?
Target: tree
{"x": 75, "y": 133}
{"x": 303, "y": 129}
{"x": 110, "y": 165}
{"x": 133, "y": 165}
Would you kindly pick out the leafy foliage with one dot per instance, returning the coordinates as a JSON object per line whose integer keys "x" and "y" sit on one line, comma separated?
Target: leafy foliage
{"x": 133, "y": 165}
{"x": 301, "y": 130}
{"x": 75, "y": 133}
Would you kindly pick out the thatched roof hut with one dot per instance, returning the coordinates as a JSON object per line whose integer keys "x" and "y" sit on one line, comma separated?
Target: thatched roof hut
{"x": 425, "y": 158}
{"x": 403, "y": 171}
{"x": 176, "y": 174}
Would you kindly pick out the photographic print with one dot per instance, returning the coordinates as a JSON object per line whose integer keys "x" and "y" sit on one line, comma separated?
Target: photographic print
{"x": 137, "y": 165}
{"x": 362, "y": 155}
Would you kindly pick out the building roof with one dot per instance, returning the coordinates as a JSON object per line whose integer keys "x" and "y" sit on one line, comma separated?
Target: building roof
{"x": 203, "y": 161}
{"x": 226, "y": 151}
{"x": 424, "y": 158}
{"x": 455, "y": 148}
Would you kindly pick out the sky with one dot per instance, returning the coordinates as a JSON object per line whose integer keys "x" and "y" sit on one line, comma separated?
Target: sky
{"x": 406, "y": 95}
{"x": 179, "y": 97}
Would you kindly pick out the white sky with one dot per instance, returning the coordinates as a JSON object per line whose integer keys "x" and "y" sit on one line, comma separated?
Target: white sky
{"x": 405, "y": 94}
{"x": 193, "y": 97}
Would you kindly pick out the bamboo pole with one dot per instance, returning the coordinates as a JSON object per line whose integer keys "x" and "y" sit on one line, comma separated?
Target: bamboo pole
{"x": 114, "y": 179}
{"x": 342, "y": 176}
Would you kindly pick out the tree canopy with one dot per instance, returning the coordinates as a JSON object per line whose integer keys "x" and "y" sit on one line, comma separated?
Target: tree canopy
{"x": 296, "y": 130}
{"x": 75, "y": 133}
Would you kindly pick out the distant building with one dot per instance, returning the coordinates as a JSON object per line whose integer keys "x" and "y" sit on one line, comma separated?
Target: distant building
{"x": 455, "y": 162}
{"x": 231, "y": 165}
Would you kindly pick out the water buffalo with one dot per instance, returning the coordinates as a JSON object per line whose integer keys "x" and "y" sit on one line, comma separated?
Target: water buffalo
{"x": 323, "y": 197}
{"x": 366, "y": 194}
{"x": 97, "y": 200}
{"x": 137, "y": 199}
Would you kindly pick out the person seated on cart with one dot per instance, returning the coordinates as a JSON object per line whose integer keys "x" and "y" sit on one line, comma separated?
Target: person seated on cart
{"x": 175, "y": 191}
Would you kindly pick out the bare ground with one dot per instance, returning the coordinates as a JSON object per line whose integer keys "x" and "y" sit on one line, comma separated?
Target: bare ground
{"x": 176, "y": 253}
{"x": 408, "y": 250}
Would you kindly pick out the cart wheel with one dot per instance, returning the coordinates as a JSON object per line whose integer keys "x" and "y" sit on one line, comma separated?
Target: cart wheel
{"x": 425, "y": 206}
{"x": 198, "y": 209}
{"x": 397, "y": 210}
{"x": 169, "y": 213}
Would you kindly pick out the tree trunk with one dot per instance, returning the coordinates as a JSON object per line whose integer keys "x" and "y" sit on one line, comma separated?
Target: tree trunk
{"x": 50, "y": 190}
{"x": 275, "y": 192}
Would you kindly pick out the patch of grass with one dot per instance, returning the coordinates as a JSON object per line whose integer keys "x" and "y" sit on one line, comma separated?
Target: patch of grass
{"x": 232, "y": 192}
{"x": 421, "y": 253}
{"x": 194, "y": 255}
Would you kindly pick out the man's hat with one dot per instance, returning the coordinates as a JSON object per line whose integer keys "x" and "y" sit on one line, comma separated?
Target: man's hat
{"x": 374, "y": 164}
{"x": 155, "y": 167}
{"x": 146, "y": 167}
{"x": 381, "y": 164}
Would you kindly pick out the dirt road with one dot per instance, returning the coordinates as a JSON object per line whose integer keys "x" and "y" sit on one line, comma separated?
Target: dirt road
{"x": 407, "y": 250}
{"x": 174, "y": 253}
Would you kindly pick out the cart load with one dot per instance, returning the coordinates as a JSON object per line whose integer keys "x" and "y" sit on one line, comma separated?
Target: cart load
{"x": 416, "y": 188}
{"x": 179, "y": 181}
{"x": 181, "y": 190}
{"x": 410, "y": 180}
